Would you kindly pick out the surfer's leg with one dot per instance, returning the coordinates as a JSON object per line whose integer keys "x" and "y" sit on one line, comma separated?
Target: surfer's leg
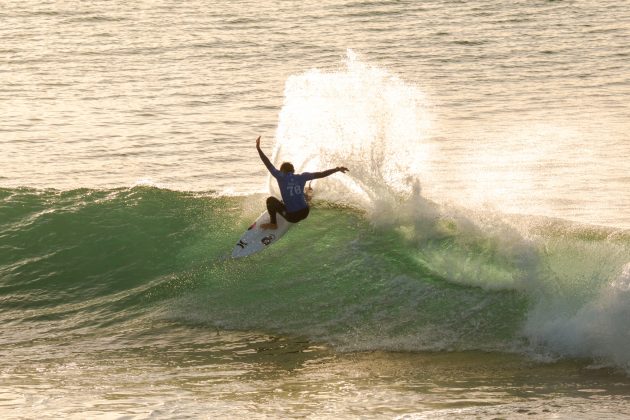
{"x": 296, "y": 216}
{"x": 273, "y": 207}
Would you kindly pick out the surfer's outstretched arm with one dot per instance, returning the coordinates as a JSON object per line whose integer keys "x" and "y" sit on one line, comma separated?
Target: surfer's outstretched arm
{"x": 324, "y": 174}
{"x": 265, "y": 159}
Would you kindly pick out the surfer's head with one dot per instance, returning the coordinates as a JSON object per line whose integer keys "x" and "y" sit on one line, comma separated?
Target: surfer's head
{"x": 286, "y": 167}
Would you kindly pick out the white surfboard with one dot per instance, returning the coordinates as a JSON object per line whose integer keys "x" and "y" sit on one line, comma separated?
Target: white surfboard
{"x": 256, "y": 239}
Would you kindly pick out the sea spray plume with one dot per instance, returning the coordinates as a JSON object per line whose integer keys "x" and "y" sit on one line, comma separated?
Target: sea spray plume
{"x": 363, "y": 116}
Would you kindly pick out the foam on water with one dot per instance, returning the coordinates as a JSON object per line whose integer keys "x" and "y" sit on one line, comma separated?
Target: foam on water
{"x": 596, "y": 328}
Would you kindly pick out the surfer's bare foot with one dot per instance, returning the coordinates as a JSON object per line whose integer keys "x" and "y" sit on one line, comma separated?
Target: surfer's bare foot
{"x": 269, "y": 226}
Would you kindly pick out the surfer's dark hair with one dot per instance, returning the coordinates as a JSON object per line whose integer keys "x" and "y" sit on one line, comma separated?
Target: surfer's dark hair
{"x": 287, "y": 167}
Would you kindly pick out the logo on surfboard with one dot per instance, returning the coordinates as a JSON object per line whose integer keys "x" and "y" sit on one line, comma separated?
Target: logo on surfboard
{"x": 267, "y": 239}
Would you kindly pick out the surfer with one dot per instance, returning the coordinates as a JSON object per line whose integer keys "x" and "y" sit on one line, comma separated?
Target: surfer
{"x": 294, "y": 206}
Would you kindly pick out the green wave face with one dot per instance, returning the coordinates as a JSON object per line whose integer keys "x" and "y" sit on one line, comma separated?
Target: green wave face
{"x": 87, "y": 258}
{"x": 112, "y": 260}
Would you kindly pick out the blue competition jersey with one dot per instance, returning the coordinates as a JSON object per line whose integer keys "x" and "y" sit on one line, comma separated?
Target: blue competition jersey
{"x": 292, "y": 189}
{"x": 292, "y": 185}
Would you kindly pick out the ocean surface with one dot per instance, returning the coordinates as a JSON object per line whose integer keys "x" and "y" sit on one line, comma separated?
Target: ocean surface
{"x": 473, "y": 263}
